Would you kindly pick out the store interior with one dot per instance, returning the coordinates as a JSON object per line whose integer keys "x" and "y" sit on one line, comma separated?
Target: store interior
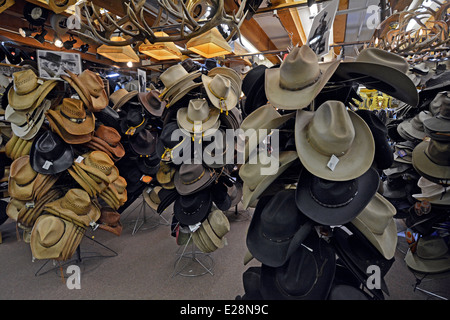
{"x": 224, "y": 150}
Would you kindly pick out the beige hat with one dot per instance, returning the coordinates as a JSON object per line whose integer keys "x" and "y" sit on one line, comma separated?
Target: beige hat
{"x": 119, "y": 97}
{"x": 335, "y": 144}
{"x": 151, "y": 197}
{"x": 431, "y": 256}
{"x": 376, "y": 222}
{"x": 216, "y": 227}
{"x": 432, "y": 192}
{"x": 175, "y": 79}
{"x": 431, "y": 159}
{"x": 257, "y": 177}
{"x": 198, "y": 117}
{"x": 235, "y": 78}
{"x": 220, "y": 92}
{"x": 298, "y": 80}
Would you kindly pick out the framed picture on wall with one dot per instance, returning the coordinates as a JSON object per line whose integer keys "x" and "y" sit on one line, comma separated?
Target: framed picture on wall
{"x": 52, "y": 64}
{"x": 319, "y": 35}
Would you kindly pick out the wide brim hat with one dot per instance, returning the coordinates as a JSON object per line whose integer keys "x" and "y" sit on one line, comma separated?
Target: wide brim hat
{"x": 296, "y": 99}
{"x": 253, "y": 88}
{"x": 251, "y": 194}
{"x": 156, "y": 111}
{"x": 352, "y": 164}
{"x": 206, "y": 179}
{"x": 33, "y": 98}
{"x": 73, "y": 128}
{"x": 418, "y": 261}
{"x": 66, "y": 136}
{"x": 151, "y": 197}
{"x": 63, "y": 161}
{"x": 384, "y": 240}
{"x": 426, "y": 167}
{"x": 120, "y": 97}
{"x": 185, "y": 123}
{"x": 216, "y": 225}
{"x": 203, "y": 198}
{"x": 367, "y": 185}
{"x": 230, "y": 74}
{"x": 307, "y": 275}
{"x": 372, "y": 73}
{"x": 230, "y": 101}
{"x": 408, "y": 130}
{"x": 181, "y": 93}
{"x": 28, "y": 128}
{"x": 181, "y": 84}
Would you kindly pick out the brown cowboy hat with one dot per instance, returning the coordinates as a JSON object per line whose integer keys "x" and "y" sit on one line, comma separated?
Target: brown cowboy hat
{"x": 73, "y": 117}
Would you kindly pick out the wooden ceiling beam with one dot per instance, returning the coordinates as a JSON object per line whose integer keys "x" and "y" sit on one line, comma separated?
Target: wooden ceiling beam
{"x": 290, "y": 20}
{"x": 340, "y": 25}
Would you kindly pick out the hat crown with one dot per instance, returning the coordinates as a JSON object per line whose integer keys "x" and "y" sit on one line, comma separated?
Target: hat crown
{"x": 172, "y": 74}
{"x": 120, "y": 184}
{"x": 377, "y": 214}
{"x": 280, "y": 218}
{"x": 50, "y": 231}
{"x": 92, "y": 82}
{"x": 117, "y": 95}
{"x": 109, "y": 216}
{"x": 438, "y": 152}
{"x": 153, "y": 99}
{"x": 383, "y": 57}
{"x": 50, "y": 146}
{"x": 220, "y": 86}
{"x": 333, "y": 194}
{"x": 108, "y": 134}
{"x": 73, "y": 109}
{"x": 219, "y": 223}
{"x": 198, "y": 110}
{"x": 431, "y": 248}
{"x": 21, "y": 171}
{"x": 331, "y": 131}
{"x": 135, "y": 116}
{"x": 190, "y": 173}
{"x": 101, "y": 161}
{"x": 77, "y": 200}
{"x": 25, "y": 81}
{"x": 299, "y": 69}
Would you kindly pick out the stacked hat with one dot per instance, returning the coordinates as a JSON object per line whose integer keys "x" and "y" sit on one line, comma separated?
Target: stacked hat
{"x": 107, "y": 139}
{"x": 17, "y": 147}
{"x": 210, "y": 235}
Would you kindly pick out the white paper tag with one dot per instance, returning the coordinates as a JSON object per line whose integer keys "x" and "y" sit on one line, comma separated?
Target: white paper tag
{"x": 79, "y": 159}
{"x": 149, "y": 189}
{"x": 40, "y": 81}
{"x": 194, "y": 227}
{"x": 332, "y": 162}
{"x": 29, "y": 204}
{"x": 47, "y": 164}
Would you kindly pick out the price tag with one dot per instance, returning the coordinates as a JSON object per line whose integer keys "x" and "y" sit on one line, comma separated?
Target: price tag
{"x": 332, "y": 162}
{"x": 47, "y": 165}
{"x": 79, "y": 159}
{"x": 194, "y": 227}
{"x": 29, "y": 205}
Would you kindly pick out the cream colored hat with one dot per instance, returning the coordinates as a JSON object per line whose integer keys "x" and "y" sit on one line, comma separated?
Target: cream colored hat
{"x": 175, "y": 79}
{"x": 220, "y": 92}
{"x": 198, "y": 117}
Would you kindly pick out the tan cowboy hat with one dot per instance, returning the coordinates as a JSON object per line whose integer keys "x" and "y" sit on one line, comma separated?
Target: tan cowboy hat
{"x": 110, "y": 221}
{"x": 54, "y": 238}
{"x": 27, "y": 124}
{"x": 22, "y": 179}
{"x": 257, "y": 177}
{"x": 62, "y": 132}
{"x": 151, "y": 197}
{"x": 28, "y": 217}
{"x": 15, "y": 207}
{"x": 99, "y": 164}
{"x": 73, "y": 117}
{"x": 75, "y": 206}
{"x": 236, "y": 80}
{"x": 216, "y": 227}
{"x": 334, "y": 144}
{"x": 175, "y": 79}
{"x": 90, "y": 88}
{"x": 198, "y": 117}
{"x": 298, "y": 80}
{"x": 432, "y": 255}
{"x": 165, "y": 172}
{"x": 431, "y": 160}
{"x": 220, "y": 92}
{"x": 262, "y": 120}
{"x": 119, "y": 97}
{"x": 107, "y": 139}
{"x": 376, "y": 222}
{"x": 59, "y": 6}
{"x": 28, "y": 90}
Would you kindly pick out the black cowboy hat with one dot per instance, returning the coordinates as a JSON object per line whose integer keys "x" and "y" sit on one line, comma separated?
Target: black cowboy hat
{"x": 143, "y": 143}
{"x": 167, "y": 197}
{"x": 334, "y": 202}
{"x": 220, "y": 196}
{"x": 193, "y": 208}
{"x": 133, "y": 121}
{"x": 277, "y": 228}
{"x": 149, "y": 165}
{"x": 109, "y": 117}
{"x": 50, "y": 154}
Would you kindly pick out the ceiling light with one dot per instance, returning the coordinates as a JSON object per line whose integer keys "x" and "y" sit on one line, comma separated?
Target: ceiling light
{"x": 69, "y": 44}
{"x": 118, "y": 53}
{"x": 209, "y": 44}
{"x": 57, "y": 42}
{"x": 41, "y": 36}
{"x": 129, "y": 64}
{"x": 26, "y": 32}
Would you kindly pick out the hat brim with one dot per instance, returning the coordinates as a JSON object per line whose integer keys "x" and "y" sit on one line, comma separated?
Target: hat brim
{"x": 427, "y": 168}
{"x": 296, "y": 99}
{"x": 427, "y": 265}
{"x": 67, "y": 137}
{"x": 63, "y": 162}
{"x": 179, "y": 85}
{"x": 26, "y": 101}
{"x": 200, "y": 184}
{"x": 149, "y": 108}
{"x": 230, "y": 101}
{"x": 386, "y": 243}
{"x": 187, "y": 125}
{"x": 202, "y": 211}
{"x": 57, "y": 209}
{"x": 354, "y": 163}
{"x": 367, "y": 186}
{"x": 383, "y": 78}
{"x": 127, "y": 97}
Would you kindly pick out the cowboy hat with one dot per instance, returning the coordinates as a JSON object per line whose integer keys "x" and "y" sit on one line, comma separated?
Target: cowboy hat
{"x": 110, "y": 221}
{"x": 49, "y": 154}
{"x": 231, "y": 74}
{"x": 216, "y": 226}
{"x": 62, "y": 132}
{"x": 75, "y": 206}
{"x": 151, "y": 197}
{"x": 90, "y": 88}
{"x": 100, "y": 165}
{"x": 257, "y": 177}
{"x": 58, "y": 6}
{"x": 431, "y": 160}
{"x": 377, "y": 224}
{"x": 27, "y": 217}
{"x": 22, "y": 179}
{"x": 26, "y": 124}
{"x": 432, "y": 192}
{"x": 73, "y": 117}
{"x": 119, "y": 97}
{"x": 220, "y": 196}
{"x": 412, "y": 129}
{"x": 193, "y": 208}
{"x": 298, "y": 80}
{"x": 197, "y": 117}
{"x": 149, "y": 165}
{"x": 334, "y": 143}
{"x": 432, "y": 255}
{"x": 107, "y": 139}
{"x": 307, "y": 275}
{"x": 152, "y": 102}
{"x": 143, "y": 143}
{"x": 334, "y": 202}
{"x": 28, "y": 90}
{"x": 191, "y": 178}
{"x": 277, "y": 229}
{"x": 134, "y": 120}
{"x": 176, "y": 79}
{"x": 220, "y": 92}
{"x": 381, "y": 70}
{"x": 438, "y": 126}
{"x": 54, "y": 238}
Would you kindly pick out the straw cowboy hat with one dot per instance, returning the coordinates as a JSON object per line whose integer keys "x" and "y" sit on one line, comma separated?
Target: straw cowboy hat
{"x": 220, "y": 92}
{"x": 28, "y": 90}
{"x": 335, "y": 202}
{"x": 377, "y": 224}
{"x": 90, "y": 88}
{"x": 73, "y": 117}
{"x": 431, "y": 159}
{"x": 121, "y": 96}
{"x": 54, "y": 238}
{"x": 298, "y": 80}
{"x": 49, "y": 154}
{"x": 59, "y": 6}
{"x": 277, "y": 229}
{"x": 107, "y": 139}
{"x": 110, "y": 221}
{"x": 28, "y": 215}
{"x": 152, "y": 102}
{"x": 198, "y": 117}
{"x": 307, "y": 275}
{"x": 334, "y": 144}
{"x": 381, "y": 70}
{"x": 75, "y": 206}
{"x": 100, "y": 165}
{"x": 432, "y": 255}
{"x": 22, "y": 179}
{"x": 176, "y": 79}
{"x": 191, "y": 178}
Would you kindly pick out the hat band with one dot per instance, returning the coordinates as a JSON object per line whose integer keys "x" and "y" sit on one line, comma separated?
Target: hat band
{"x": 131, "y": 130}
{"x": 195, "y": 180}
{"x": 222, "y": 102}
{"x": 75, "y": 120}
{"x": 196, "y": 210}
{"x": 277, "y": 240}
{"x": 332, "y": 205}
{"x": 303, "y": 87}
